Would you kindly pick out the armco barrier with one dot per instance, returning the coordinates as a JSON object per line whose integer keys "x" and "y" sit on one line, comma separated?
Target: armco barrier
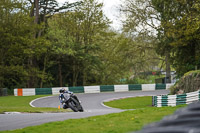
{"x": 173, "y": 100}
{"x": 91, "y": 89}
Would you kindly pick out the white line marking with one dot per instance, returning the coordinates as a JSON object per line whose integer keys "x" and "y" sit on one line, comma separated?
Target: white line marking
{"x": 31, "y": 103}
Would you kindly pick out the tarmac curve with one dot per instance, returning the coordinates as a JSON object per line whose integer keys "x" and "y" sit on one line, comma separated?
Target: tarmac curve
{"x": 92, "y": 104}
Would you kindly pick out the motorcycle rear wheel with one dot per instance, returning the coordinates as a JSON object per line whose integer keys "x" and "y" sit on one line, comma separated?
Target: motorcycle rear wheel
{"x": 80, "y": 108}
{"x": 71, "y": 105}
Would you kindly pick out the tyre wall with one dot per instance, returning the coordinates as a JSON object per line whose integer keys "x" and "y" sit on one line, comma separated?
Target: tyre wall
{"x": 173, "y": 100}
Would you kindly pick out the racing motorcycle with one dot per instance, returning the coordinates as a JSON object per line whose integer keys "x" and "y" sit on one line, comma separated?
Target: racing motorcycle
{"x": 69, "y": 100}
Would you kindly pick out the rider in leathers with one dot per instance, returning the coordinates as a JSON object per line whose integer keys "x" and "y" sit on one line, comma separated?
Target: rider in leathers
{"x": 61, "y": 97}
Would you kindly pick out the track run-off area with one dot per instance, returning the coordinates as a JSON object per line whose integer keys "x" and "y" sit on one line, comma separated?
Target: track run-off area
{"x": 92, "y": 104}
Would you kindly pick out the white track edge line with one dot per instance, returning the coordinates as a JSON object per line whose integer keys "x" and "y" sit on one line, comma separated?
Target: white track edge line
{"x": 31, "y": 103}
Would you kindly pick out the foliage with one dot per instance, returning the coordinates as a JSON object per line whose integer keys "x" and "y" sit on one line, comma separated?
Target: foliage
{"x": 190, "y": 82}
{"x": 180, "y": 23}
{"x": 144, "y": 79}
{"x": 73, "y": 37}
{"x": 176, "y": 26}
{"x": 142, "y": 23}
{"x": 15, "y": 33}
{"x": 32, "y": 52}
{"x": 45, "y": 45}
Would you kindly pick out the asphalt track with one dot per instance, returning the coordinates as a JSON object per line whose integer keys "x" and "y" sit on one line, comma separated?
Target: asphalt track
{"x": 92, "y": 104}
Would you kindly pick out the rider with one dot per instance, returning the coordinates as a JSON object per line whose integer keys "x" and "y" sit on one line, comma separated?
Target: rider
{"x": 61, "y": 97}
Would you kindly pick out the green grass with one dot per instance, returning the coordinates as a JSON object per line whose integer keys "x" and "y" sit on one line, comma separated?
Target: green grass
{"x": 112, "y": 123}
{"x": 131, "y": 103}
{"x": 21, "y": 104}
{"x": 124, "y": 122}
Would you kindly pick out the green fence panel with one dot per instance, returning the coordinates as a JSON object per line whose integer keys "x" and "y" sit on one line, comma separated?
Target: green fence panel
{"x": 43, "y": 91}
{"x": 135, "y": 87}
{"x": 106, "y": 88}
{"x": 160, "y": 86}
{"x": 79, "y": 89}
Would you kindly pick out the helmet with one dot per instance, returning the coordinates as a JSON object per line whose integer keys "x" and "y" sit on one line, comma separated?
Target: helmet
{"x": 62, "y": 90}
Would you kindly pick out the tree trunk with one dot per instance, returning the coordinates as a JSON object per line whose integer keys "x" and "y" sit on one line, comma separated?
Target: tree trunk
{"x": 43, "y": 72}
{"x": 84, "y": 78}
{"x": 75, "y": 74}
{"x": 168, "y": 69}
{"x": 36, "y": 11}
{"x": 60, "y": 74}
{"x": 30, "y": 82}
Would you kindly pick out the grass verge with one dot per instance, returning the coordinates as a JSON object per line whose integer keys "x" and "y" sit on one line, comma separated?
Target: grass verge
{"x": 21, "y": 104}
{"x": 127, "y": 121}
{"x": 131, "y": 103}
{"x": 112, "y": 123}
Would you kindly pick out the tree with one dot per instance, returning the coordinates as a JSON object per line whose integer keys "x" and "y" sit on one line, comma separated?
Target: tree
{"x": 41, "y": 10}
{"x": 93, "y": 22}
{"x": 142, "y": 24}
{"x": 176, "y": 24}
{"x": 15, "y": 31}
{"x": 181, "y": 24}
{"x": 73, "y": 34}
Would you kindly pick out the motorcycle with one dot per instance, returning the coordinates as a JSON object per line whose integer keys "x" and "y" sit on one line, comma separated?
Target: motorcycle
{"x": 70, "y": 100}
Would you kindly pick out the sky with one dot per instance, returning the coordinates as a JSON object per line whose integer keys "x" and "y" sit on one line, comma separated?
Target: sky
{"x": 110, "y": 9}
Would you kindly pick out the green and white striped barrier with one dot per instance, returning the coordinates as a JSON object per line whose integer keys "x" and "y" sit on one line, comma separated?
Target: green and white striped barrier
{"x": 173, "y": 100}
{"x": 91, "y": 89}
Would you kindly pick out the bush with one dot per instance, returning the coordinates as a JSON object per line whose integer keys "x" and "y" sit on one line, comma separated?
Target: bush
{"x": 148, "y": 79}
{"x": 190, "y": 82}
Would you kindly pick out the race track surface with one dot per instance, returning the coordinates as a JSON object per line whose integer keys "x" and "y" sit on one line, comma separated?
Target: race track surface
{"x": 92, "y": 104}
